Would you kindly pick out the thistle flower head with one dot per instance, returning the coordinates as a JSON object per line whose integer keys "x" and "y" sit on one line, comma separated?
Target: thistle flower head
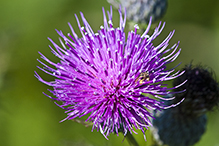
{"x": 186, "y": 123}
{"x": 109, "y": 76}
{"x": 202, "y": 90}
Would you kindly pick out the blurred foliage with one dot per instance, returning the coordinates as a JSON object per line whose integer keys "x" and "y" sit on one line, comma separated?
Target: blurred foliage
{"x": 27, "y": 117}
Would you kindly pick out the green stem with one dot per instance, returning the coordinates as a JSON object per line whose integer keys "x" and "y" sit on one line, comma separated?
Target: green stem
{"x": 131, "y": 139}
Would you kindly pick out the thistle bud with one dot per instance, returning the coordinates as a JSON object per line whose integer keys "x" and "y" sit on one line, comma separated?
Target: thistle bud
{"x": 140, "y": 11}
{"x": 184, "y": 124}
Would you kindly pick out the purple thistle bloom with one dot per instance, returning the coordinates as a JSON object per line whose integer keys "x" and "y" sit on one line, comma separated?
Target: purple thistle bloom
{"x": 108, "y": 77}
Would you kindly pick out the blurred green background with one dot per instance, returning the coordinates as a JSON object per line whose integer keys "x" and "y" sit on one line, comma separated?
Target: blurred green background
{"x": 27, "y": 117}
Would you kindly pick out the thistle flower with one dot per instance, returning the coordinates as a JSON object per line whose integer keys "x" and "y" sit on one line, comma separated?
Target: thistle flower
{"x": 108, "y": 77}
{"x": 185, "y": 124}
{"x": 140, "y": 11}
{"x": 202, "y": 91}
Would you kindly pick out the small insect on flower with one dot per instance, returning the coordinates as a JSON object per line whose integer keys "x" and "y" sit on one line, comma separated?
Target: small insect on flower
{"x": 144, "y": 76}
{"x": 107, "y": 75}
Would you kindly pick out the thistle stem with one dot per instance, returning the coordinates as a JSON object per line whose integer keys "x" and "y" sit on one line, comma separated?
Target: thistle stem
{"x": 131, "y": 139}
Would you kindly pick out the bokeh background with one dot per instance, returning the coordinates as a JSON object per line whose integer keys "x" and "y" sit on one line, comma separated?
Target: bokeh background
{"x": 27, "y": 117}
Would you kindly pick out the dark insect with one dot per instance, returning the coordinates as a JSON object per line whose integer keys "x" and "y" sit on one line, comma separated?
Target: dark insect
{"x": 144, "y": 76}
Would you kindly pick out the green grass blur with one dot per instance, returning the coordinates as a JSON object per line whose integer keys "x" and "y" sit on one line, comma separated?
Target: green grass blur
{"x": 27, "y": 117}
